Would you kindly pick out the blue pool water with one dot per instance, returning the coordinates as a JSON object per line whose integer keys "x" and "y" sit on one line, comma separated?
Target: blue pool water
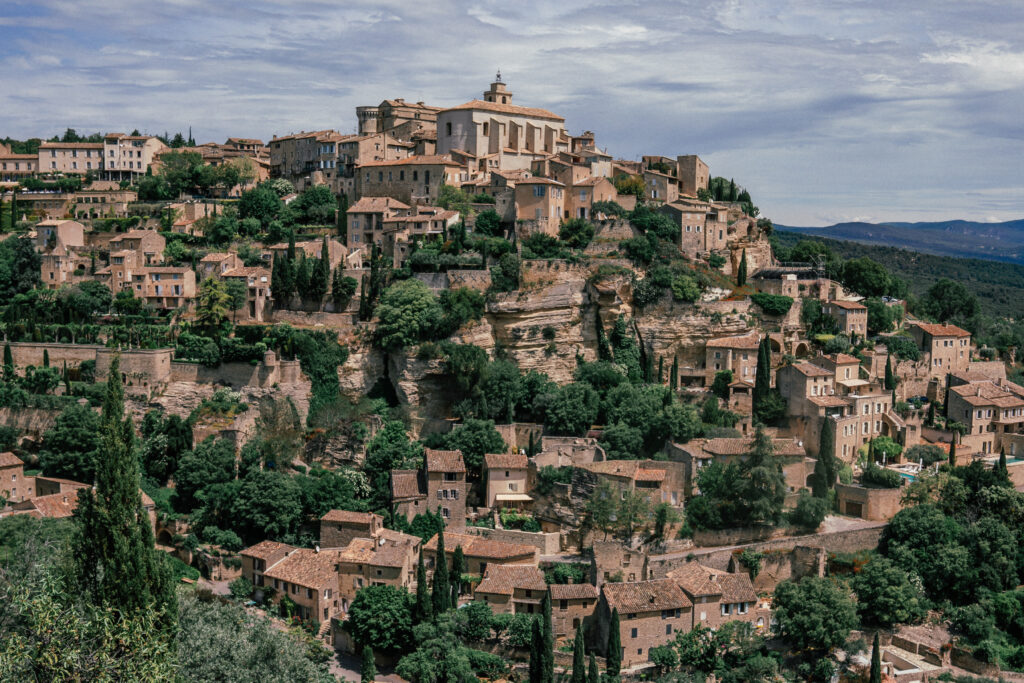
{"x": 908, "y": 477}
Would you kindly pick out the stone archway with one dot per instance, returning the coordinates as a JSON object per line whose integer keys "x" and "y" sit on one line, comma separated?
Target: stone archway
{"x": 801, "y": 349}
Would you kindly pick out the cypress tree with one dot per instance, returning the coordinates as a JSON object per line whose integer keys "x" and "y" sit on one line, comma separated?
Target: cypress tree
{"x": 613, "y": 658}
{"x": 661, "y": 370}
{"x": 46, "y": 358}
{"x": 115, "y": 564}
{"x": 1001, "y": 465}
{"x": 876, "y": 662}
{"x": 649, "y": 367}
{"x": 321, "y": 278}
{"x": 368, "y": 671}
{"x": 8, "y": 362}
{"x": 364, "y": 303}
{"x": 549, "y": 639}
{"x": 871, "y": 451}
{"x": 741, "y": 271}
{"x": 291, "y": 247}
{"x": 673, "y": 377}
{"x": 931, "y": 414}
{"x": 343, "y": 218}
{"x": 579, "y": 673}
{"x": 593, "y": 676}
{"x": 442, "y": 588}
{"x": 14, "y": 209}
{"x": 952, "y": 452}
{"x": 536, "y": 653}
{"x": 762, "y": 376}
{"x": 890, "y": 378}
{"x": 458, "y": 569}
{"x": 826, "y": 468}
{"x": 424, "y": 607}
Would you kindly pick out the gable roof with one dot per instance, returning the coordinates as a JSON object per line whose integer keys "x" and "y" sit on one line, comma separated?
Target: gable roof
{"x": 847, "y": 305}
{"x": 943, "y": 330}
{"x": 811, "y": 370}
{"x": 478, "y": 546}
{"x": 420, "y": 160}
{"x": 506, "y": 461}
{"x": 8, "y": 459}
{"x": 697, "y": 580}
{"x": 405, "y": 485}
{"x": 264, "y": 550}
{"x": 630, "y": 469}
{"x": 503, "y": 579}
{"x": 746, "y": 341}
{"x": 509, "y": 109}
{"x": 305, "y": 567}
{"x": 444, "y": 461}
{"x": 376, "y": 205}
{"x": 645, "y": 596}
{"x": 573, "y": 591}
{"x": 378, "y": 552}
{"x": 741, "y": 445}
{"x": 347, "y": 516}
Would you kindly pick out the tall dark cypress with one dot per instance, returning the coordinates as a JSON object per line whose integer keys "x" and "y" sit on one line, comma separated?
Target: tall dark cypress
{"x": 826, "y": 468}
{"x": 741, "y": 271}
{"x": 442, "y": 588}
{"x": 876, "y": 662}
{"x": 46, "y": 358}
{"x": 536, "y": 653}
{"x": 673, "y": 378}
{"x": 661, "y": 370}
{"x": 579, "y": 673}
{"x": 613, "y": 657}
{"x": 115, "y": 563}
{"x": 549, "y": 639}
{"x": 424, "y": 606}
{"x": 762, "y": 376}
{"x": 952, "y": 452}
{"x": 458, "y": 569}
{"x": 890, "y": 378}
{"x": 930, "y": 420}
{"x": 1001, "y": 465}
{"x": 8, "y": 362}
{"x": 593, "y": 675}
{"x": 368, "y": 670}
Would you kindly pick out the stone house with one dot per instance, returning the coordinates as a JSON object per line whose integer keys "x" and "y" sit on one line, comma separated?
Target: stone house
{"x": 583, "y": 194}
{"x": 103, "y": 203}
{"x": 651, "y": 613}
{"x": 57, "y": 231}
{"x": 991, "y": 409}
{"x": 541, "y": 201}
{"x": 14, "y": 485}
{"x": 851, "y": 316}
{"x": 439, "y": 486}
{"x": 572, "y": 604}
{"x": 309, "y": 578}
{"x": 660, "y": 187}
{"x": 217, "y": 263}
{"x": 166, "y": 287}
{"x": 14, "y": 167}
{"x": 693, "y": 174}
{"x": 615, "y": 562}
{"x": 258, "y": 558}
{"x": 147, "y": 244}
{"x": 339, "y": 527}
{"x": 257, "y": 288}
{"x": 387, "y": 558}
{"x": 366, "y": 220}
{"x": 660, "y": 480}
{"x": 738, "y": 354}
{"x": 506, "y": 477}
{"x": 719, "y": 596}
{"x": 871, "y": 503}
{"x": 512, "y": 589}
{"x": 948, "y": 347}
{"x": 294, "y": 157}
{"x": 480, "y": 552}
{"x": 427, "y": 223}
{"x": 413, "y": 180}
{"x": 126, "y": 157}
{"x": 70, "y": 157}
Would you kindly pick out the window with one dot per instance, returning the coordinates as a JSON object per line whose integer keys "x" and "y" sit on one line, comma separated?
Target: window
{"x": 309, "y": 593}
{"x": 563, "y": 604}
{"x": 632, "y": 633}
{"x": 448, "y": 128}
{"x": 445, "y": 512}
{"x": 538, "y": 190}
{"x": 668, "y": 629}
{"x": 415, "y": 175}
{"x": 741, "y": 608}
{"x": 726, "y": 609}
{"x": 487, "y": 128}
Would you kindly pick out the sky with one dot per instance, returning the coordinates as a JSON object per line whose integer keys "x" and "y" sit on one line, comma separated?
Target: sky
{"x": 825, "y": 110}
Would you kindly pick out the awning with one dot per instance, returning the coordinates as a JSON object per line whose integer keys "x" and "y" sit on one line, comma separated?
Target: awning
{"x": 513, "y": 497}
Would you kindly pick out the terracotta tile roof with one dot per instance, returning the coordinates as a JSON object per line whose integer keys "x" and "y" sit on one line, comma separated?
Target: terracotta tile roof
{"x": 302, "y": 136}
{"x": 588, "y": 182}
{"x": 421, "y": 160}
{"x": 478, "y": 546}
{"x": 444, "y": 461}
{"x": 506, "y": 461}
{"x": 737, "y": 588}
{"x": 503, "y": 579}
{"x": 746, "y": 341}
{"x": 134, "y": 235}
{"x": 56, "y": 505}
{"x": 573, "y": 591}
{"x": 9, "y": 459}
{"x": 645, "y": 596}
{"x": 358, "y": 551}
{"x": 828, "y": 401}
{"x": 741, "y": 445}
{"x": 398, "y": 536}
{"x": 539, "y": 181}
{"x": 644, "y": 474}
{"x": 307, "y": 568}
{"x": 987, "y": 394}
{"x": 509, "y": 109}
{"x": 264, "y": 550}
{"x": 943, "y": 330}
{"x": 378, "y": 552}
{"x": 842, "y": 358}
{"x": 247, "y": 271}
{"x": 630, "y": 469}
{"x": 71, "y": 145}
{"x": 697, "y": 580}
{"x": 216, "y": 257}
{"x": 348, "y": 516}
{"x": 376, "y": 205}
{"x": 812, "y": 370}
{"x": 847, "y": 305}
{"x": 249, "y": 141}
{"x": 405, "y": 485}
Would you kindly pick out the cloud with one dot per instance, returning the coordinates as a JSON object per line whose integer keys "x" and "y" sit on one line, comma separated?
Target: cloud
{"x": 821, "y": 108}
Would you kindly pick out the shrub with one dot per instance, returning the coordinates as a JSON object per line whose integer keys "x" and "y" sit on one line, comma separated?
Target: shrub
{"x": 873, "y": 475}
{"x": 684, "y": 288}
{"x": 241, "y": 588}
{"x": 927, "y": 454}
{"x": 902, "y": 347}
{"x": 542, "y": 246}
{"x": 576, "y": 232}
{"x": 716, "y": 261}
{"x": 772, "y": 304}
{"x": 809, "y": 512}
{"x": 489, "y": 222}
{"x": 609, "y": 208}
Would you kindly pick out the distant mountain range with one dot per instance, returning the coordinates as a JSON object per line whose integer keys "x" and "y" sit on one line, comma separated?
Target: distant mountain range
{"x": 989, "y": 241}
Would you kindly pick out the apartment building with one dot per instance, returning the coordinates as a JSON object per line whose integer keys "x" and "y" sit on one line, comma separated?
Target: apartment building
{"x": 126, "y": 157}
{"x": 165, "y": 287}
{"x": 70, "y": 158}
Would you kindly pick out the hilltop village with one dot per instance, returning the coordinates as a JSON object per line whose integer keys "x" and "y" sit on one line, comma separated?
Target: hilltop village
{"x": 464, "y": 395}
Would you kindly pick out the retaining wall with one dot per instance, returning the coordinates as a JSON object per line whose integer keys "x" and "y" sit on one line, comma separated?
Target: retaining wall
{"x": 546, "y": 543}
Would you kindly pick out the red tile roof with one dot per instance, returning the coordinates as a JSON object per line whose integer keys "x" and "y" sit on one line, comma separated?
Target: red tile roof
{"x": 573, "y": 591}
{"x": 848, "y": 305}
{"x": 444, "y": 461}
{"x": 405, "y": 485}
{"x": 943, "y": 330}
{"x": 307, "y": 568}
{"x": 503, "y": 579}
{"x": 264, "y": 550}
{"x": 509, "y": 109}
{"x": 746, "y": 341}
{"x": 506, "y": 461}
{"x": 8, "y": 459}
{"x": 348, "y": 516}
{"x": 645, "y": 596}
{"x": 478, "y": 546}
{"x": 812, "y": 370}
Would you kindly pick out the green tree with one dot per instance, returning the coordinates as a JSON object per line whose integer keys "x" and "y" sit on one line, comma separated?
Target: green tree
{"x": 810, "y": 511}
{"x": 381, "y": 617}
{"x": 886, "y": 595}
{"x": 238, "y": 295}
{"x": 212, "y": 462}
{"x": 212, "y": 307}
{"x": 949, "y": 300}
{"x": 593, "y": 676}
{"x": 890, "y": 378}
{"x": 548, "y": 639}
{"x": 579, "y": 672}
{"x": 316, "y": 205}
{"x": 424, "y": 608}
{"x": 741, "y": 271}
{"x": 488, "y": 223}
{"x": 613, "y": 655}
{"x": 261, "y": 203}
{"x": 69, "y": 447}
{"x": 764, "y": 490}
{"x": 720, "y": 387}
{"x": 458, "y": 569}
{"x": 814, "y": 614}
{"x": 866, "y": 277}
{"x": 826, "y": 467}
{"x": 600, "y": 507}
{"x": 632, "y": 512}
{"x": 342, "y": 289}
{"x": 571, "y": 410}
{"x": 536, "y": 665}
{"x": 762, "y": 375}
{"x": 115, "y": 563}
{"x": 876, "y": 662}
{"x": 368, "y": 670}
{"x": 408, "y": 313}
{"x": 441, "y": 590}
{"x": 576, "y": 232}
{"x": 474, "y": 438}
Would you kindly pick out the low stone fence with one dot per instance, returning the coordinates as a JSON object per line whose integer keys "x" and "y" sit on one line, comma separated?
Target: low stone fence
{"x": 547, "y": 543}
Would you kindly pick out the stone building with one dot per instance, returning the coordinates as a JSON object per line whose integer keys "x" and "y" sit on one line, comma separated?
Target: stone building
{"x": 572, "y": 604}
{"x": 386, "y": 558}
{"x": 541, "y": 202}
{"x": 127, "y": 157}
{"x": 75, "y": 158}
{"x": 651, "y": 613}
{"x": 309, "y": 578}
{"x": 738, "y": 354}
{"x": 947, "y": 346}
{"x": 852, "y": 317}
{"x": 992, "y": 410}
{"x": 14, "y": 485}
{"x": 414, "y": 180}
{"x": 339, "y": 527}
{"x": 719, "y": 596}
{"x": 506, "y": 477}
{"x": 258, "y": 558}
{"x": 513, "y": 589}
{"x": 439, "y": 487}
{"x": 693, "y": 174}
{"x": 479, "y": 552}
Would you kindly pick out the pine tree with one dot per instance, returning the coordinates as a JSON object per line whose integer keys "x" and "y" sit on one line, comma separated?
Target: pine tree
{"x": 115, "y": 564}
{"x": 762, "y": 376}
{"x": 547, "y": 630}
{"x": 442, "y": 588}
{"x": 952, "y": 452}
{"x": 593, "y": 675}
{"x": 890, "y": 378}
{"x": 826, "y": 468}
{"x": 673, "y": 377}
{"x": 368, "y": 671}
{"x": 579, "y": 673}
{"x": 458, "y": 569}
{"x": 424, "y": 608}
{"x": 876, "y": 662}
{"x": 613, "y": 658}
{"x": 536, "y": 653}
{"x": 46, "y": 358}
{"x": 741, "y": 271}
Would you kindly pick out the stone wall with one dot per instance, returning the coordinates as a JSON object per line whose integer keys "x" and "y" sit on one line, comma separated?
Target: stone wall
{"x": 237, "y": 375}
{"x": 479, "y": 280}
{"x": 141, "y": 369}
{"x": 30, "y": 422}
{"x": 517, "y": 435}
{"x": 342, "y": 321}
{"x": 31, "y": 353}
{"x": 546, "y": 543}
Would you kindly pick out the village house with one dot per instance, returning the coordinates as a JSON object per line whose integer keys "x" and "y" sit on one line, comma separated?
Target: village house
{"x": 70, "y": 157}
{"x": 309, "y": 579}
{"x": 366, "y": 221}
{"x": 616, "y": 562}
{"x": 738, "y": 354}
{"x": 396, "y": 116}
{"x": 991, "y": 410}
{"x": 852, "y": 317}
{"x": 583, "y": 194}
{"x": 413, "y": 180}
{"x": 439, "y": 487}
{"x": 510, "y": 135}
{"x": 385, "y": 558}
{"x": 512, "y": 589}
{"x": 251, "y": 146}
{"x": 217, "y": 263}
{"x": 507, "y": 481}
{"x": 14, "y": 486}
{"x": 719, "y": 596}
{"x": 479, "y": 552}
{"x": 258, "y": 558}
{"x": 56, "y": 231}
{"x": 541, "y": 203}
{"x": 295, "y": 157}
{"x": 15, "y": 167}
{"x": 572, "y": 604}
{"x": 97, "y": 202}
{"x": 257, "y": 288}
{"x": 427, "y": 223}
{"x": 44, "y": 204}
{"x": 651, "y": 613}
{"x": 948, "y": 347}
{"x": 339, "y": 527}
{"x": 166, "y": 287}
{"x": 693, "y": 174}
{"x": 126, "y": 157}
{"x": 795, "y": 281}
{"x": 336, "y": 251}
{"x": 660, "y": 187}
{"x": 661, "y": 481}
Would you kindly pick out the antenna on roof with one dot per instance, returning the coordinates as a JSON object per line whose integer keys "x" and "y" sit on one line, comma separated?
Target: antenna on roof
{"x": 498, "y": 76}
